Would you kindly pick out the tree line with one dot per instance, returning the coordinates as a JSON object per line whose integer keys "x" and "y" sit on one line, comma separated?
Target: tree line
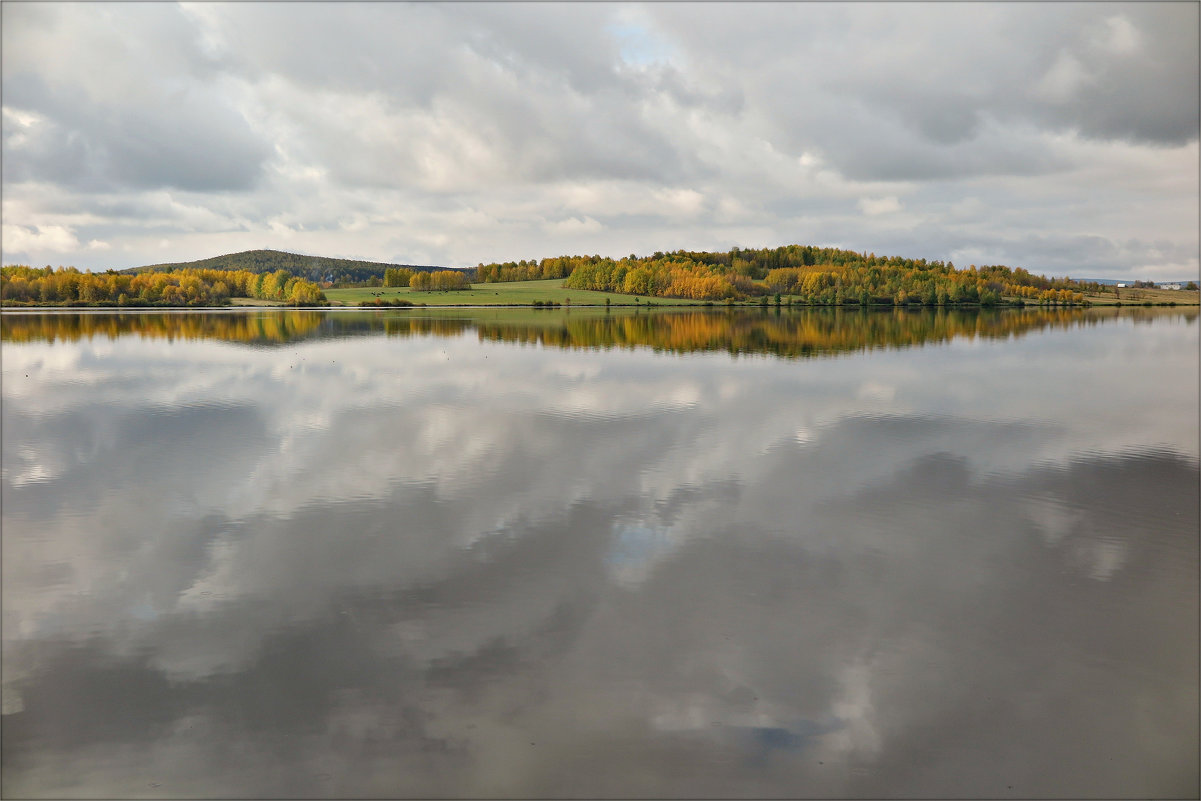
{"x": 803, "y": 273}
{"x": 557, "y": 267}
{"x": 67, "y": 286}
{"x": 440, "y": 281}
{"x": 820, "y": 276}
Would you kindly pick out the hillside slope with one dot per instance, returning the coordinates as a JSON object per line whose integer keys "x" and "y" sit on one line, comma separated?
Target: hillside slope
{"x": 312, "y": 268}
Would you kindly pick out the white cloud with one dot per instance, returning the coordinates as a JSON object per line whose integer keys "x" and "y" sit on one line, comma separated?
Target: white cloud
{"x": 881, "y": 205}
{"x": 1063, "y": 80}
{"x": 49, "y": 238}
{"x": 1118, "y": 35}
{"x": 574, "y": 225}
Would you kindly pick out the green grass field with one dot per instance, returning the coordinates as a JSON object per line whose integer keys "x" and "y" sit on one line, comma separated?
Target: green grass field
{"x": 524, "y": 293}
{"x": 513, "y": 293}
{"x": 1128, "y": 296}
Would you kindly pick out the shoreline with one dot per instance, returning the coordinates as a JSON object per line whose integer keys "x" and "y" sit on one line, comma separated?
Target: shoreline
{"x": 553, "y": 306}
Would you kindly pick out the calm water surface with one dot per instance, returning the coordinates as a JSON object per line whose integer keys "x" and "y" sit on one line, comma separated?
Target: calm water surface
{"x": 535, "y": 554}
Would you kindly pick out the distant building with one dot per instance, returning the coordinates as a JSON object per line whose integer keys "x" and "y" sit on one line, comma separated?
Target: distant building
{"x": 1121, "y": 286}
{"x": 1169, "y": 286}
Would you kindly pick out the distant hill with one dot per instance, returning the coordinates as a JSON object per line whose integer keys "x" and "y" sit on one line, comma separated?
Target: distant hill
{"x": 314, "y": 268}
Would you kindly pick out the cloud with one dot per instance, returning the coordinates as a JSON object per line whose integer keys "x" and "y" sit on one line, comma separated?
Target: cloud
{"x": 574, "y": 225}
{"x": 1063, "y": 80}
{"x": 881, "y": 205}
{"x": 111, "y": 116}
{"x": 413, "y": 119}
{"x": 1118, "y": 35}
{"x": 51, "y": 238}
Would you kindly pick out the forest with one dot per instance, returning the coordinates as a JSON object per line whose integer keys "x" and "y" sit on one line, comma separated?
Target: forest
{"x": 67, "y": 286}
{"x": 806, "y": 274}
{"x": 318, "y": 269}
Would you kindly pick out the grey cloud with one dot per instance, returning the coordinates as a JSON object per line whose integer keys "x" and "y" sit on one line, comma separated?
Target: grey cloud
{"x": 865, "y": 147}
{"x": 415, "y": 54}
{"x": 866, "y": 76}
{"x": 196, "y": 142}
{"x": 313, "y": 114}
{"x": 1060, "y": 76}
{"x": 406, "y": 51}
{"x": 673, "y": 83}
{"x": 1078, "y": 256}
{"x": 537, "y": 88}
{"x": 135, "y": 119}
{"x": 1148, "y": 95}
{"x": 563, "y": 42}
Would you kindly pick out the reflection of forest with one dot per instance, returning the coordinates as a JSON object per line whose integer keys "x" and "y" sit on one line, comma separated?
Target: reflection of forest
{"x": 785, "y": 333}
{"x": 250, "y": 328}
{"x": 789, "y": 334}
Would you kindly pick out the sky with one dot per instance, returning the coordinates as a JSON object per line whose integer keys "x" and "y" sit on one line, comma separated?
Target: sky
{"x": 1059, "y": 137}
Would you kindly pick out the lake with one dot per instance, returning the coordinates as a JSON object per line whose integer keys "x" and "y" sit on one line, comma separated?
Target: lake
{"x": 420, "y": 553}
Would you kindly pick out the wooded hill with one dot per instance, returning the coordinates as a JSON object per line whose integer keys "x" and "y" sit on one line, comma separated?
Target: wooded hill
{"x": 812, "y": 275}
{"x": 317, "y": 269}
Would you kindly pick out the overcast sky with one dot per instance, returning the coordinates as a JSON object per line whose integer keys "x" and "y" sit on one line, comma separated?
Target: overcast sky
{"x": 1058, "y": 137}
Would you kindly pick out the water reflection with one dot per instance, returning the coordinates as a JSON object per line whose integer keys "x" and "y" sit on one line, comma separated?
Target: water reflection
{"x": 450, "y": 565}
{"x": 787, "y": 333}
{"x": 252, "y": 327}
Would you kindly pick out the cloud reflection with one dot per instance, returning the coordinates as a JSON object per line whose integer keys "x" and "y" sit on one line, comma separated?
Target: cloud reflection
{"x": 408, "y": 569}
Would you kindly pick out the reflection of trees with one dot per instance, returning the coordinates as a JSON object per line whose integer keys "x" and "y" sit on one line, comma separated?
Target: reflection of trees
{"x": 260, "y": 327}
{"x": 270, "y": 327}
{"x": 424, "y": 326}
{"x": 788, "y": 334}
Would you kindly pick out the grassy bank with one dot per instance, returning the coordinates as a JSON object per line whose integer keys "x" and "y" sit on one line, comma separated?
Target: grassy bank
{"x": 513, "y": 293}
{"x": 1134, "y": 297}
{"x": 525, "y": 293}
